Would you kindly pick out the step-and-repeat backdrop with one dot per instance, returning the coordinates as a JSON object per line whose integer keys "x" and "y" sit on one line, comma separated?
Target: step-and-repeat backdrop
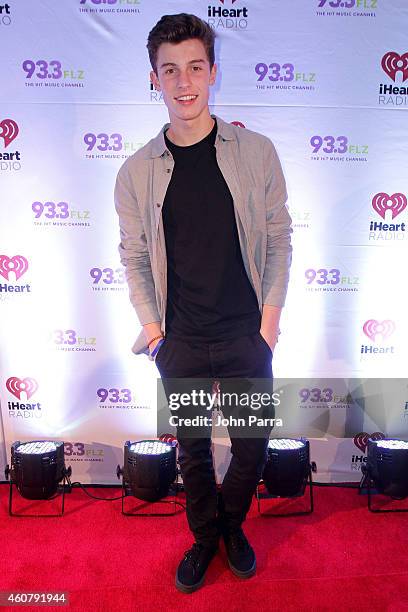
{"x": 327, "y": 81}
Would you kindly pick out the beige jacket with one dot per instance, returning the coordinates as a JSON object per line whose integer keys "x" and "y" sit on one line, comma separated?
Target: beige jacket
{"x": 252, "y": 171}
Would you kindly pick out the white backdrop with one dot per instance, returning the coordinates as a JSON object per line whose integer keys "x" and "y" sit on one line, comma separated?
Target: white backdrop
{"x": 326, "y": 80}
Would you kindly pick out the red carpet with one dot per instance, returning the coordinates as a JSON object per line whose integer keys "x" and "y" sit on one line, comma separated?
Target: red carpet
{"x": 340, "y": 558}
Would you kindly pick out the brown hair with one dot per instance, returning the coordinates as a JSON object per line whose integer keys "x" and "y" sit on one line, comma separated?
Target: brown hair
{"x": 177, "y": 28}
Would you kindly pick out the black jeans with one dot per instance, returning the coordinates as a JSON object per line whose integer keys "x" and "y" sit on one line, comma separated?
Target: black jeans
{"x": 244, "y": 357}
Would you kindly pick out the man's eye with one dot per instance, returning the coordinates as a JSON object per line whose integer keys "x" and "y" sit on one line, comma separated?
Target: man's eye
{"x": 169, "y": 70}
{"x": 196, "y": 67}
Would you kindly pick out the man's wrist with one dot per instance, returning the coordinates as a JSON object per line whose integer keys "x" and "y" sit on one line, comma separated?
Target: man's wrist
{"x": 270, "y": 337}
{"x": 152, "y": 331}
{"x": 156, "y": 348}
{"x": 156, "y": 337}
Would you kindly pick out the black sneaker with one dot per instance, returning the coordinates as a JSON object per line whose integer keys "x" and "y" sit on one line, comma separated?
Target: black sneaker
{"x": 191, "y": 570}
{"x": 241, "y": 556}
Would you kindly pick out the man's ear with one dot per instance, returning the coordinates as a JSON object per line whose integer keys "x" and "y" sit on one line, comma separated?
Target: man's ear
{"x": 154, "y": 79}
{"x": 213, "y": 74}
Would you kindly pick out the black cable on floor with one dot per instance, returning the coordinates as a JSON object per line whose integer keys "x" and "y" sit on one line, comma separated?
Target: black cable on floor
{"x": 80, "y": 485}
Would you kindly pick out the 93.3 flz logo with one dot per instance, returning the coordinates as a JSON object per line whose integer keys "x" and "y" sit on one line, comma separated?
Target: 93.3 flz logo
{"x": 80, "y": 451}
{"x": 50, "y": 214}
{"x": 346, "y": 8}
{"x": 71, "y": 340}
{"x": 108, "y": 279}
{"x": 52, "y": 73}
{"x": 114, "y": 398}
{"x": 284, "y": 75}
{"x": 337, "y": 149}
{"x": 331, "y": 280}
{"x": 110, "y": 6}
{"x": 106, "y": 145}
{"x": 395, "y": 92}
{"x": 9, "y": 160}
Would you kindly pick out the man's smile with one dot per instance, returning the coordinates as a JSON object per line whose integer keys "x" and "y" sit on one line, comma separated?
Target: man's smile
{"x": 186, "y": 99}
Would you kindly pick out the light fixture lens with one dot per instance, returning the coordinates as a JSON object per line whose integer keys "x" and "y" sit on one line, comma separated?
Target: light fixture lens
{"x": 285, "y": 444}
{"x": 150, "y": 448}
{"x": 392, "y": 444}
{"x": 36, "y": 448}
{"x": 37, "y": 467}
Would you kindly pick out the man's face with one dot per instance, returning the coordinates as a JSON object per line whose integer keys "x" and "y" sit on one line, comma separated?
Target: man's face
{"x": 184, "y": 77}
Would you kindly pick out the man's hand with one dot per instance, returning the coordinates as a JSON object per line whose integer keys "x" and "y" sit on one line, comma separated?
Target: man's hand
{"x": 270, "y": 324}
{"x": 270, "y": 340}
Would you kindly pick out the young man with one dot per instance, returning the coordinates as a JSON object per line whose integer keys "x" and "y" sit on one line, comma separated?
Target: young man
{"x": 205, "y": 239}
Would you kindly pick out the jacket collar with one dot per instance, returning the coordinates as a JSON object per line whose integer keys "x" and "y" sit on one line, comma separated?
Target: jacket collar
{"x": 224, "y": 132}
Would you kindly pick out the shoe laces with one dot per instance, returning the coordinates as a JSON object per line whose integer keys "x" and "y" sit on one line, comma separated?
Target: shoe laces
{"x": 238, "y": 541}
{"x": 193, "y": 554}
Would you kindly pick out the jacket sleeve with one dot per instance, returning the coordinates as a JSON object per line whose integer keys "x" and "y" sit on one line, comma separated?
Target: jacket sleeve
{"x": 278, "y": 224}
{"x": 133, "y": 249}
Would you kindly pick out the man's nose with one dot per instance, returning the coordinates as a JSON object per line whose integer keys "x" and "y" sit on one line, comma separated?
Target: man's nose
{"x": 184, "y": 79}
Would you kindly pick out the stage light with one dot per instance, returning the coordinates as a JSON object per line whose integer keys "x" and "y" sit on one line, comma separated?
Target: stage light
{"x": 387, "y": 467}
{"x": 287, "y": 467}
{"x": 37, "y": 469}
{"x": 149, "y": 468}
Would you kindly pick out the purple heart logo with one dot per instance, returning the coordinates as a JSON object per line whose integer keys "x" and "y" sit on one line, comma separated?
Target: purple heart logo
{"x": 17, "y": 386}
{"x": 17, "y": 264}
{"x": 392, "y": 63}
{"x": 372, "y": 327}
{"x": 396, "y": 203}
{"x": 9, "y": 131}
{"x": 361, "y": 439}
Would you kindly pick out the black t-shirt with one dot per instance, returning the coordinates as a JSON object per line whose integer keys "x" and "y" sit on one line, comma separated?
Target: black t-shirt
{"x": 209, "y": 293}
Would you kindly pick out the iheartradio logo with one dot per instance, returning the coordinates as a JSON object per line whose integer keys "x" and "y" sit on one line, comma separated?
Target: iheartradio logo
{"x": 396, "y": 203}
{"x": 392, "y": 63}
{"x": 362, "y": 438}
{"x": 17, "y": 264}
{"x": 17, "y": 386}
{"x": 8, "y": 131}
{"x": 372, "y": 328}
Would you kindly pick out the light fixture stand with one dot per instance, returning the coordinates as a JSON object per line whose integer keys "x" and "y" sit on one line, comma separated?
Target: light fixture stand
{"x": 66, "y": 484}
{"x": 309, "y": 483}
{"x": 126, "y": 492}
{"x": 367, "y": 484}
